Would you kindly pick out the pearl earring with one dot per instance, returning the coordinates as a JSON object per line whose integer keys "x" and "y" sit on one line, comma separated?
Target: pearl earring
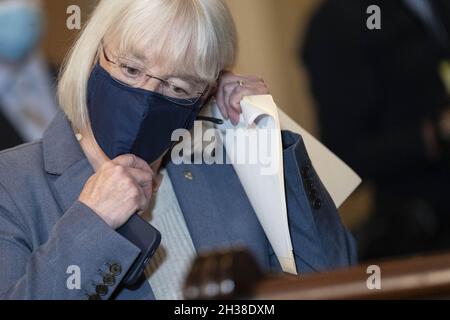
{"x": 79, "y": 137}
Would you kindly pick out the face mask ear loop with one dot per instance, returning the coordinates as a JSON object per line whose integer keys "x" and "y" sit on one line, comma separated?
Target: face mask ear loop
{"x": 210, "y": 119}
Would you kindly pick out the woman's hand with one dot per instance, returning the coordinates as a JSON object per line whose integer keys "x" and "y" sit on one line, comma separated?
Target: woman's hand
{"x": 120, "y": 188}
{"x": 232, "y": 89}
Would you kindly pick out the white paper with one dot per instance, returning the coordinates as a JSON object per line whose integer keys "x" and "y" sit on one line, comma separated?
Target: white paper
{"x": 266, "y": 192}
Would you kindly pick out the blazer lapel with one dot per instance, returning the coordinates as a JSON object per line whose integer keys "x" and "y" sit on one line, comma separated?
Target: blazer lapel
{"x": 68, "y": 186}
{"x": 68, "y": 170}
{"x": 217, "y": 211}
{"x": 65, "y": 163}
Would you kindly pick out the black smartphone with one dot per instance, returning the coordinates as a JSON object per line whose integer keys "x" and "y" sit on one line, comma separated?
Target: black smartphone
{"x": 147, "y": 238}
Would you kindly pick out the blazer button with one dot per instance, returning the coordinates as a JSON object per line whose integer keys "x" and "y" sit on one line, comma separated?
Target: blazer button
{"x": 316, "y": 203}
{"x": 101, "y": 289}
{"x": 312, "y": 193}
{"x": 109, "y": 279}
{"x": 309, "y": 184}
{"x": 305, "y": 172}
{"x": 115, "y": 269}
{"x": 94, "y": 297}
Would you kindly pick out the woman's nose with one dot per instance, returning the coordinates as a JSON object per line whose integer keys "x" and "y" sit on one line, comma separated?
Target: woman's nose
{"x": 152, "y": 84}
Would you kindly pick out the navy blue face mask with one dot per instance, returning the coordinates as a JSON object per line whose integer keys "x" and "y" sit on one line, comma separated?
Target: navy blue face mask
{"x": 130, "y": 120}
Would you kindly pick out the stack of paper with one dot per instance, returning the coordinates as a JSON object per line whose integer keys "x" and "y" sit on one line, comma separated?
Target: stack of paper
{"x": 266, "y": 192}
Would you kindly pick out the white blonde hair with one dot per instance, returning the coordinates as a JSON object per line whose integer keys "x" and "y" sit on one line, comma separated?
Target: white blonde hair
{"x": 196, "y": 37}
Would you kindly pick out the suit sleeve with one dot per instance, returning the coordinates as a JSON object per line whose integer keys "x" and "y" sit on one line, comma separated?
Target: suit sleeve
{"x": 319, "y": 239}
{"x": 83, "y": 257}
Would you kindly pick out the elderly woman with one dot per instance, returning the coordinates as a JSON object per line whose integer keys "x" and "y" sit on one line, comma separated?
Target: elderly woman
{"x": 140, "y": 70}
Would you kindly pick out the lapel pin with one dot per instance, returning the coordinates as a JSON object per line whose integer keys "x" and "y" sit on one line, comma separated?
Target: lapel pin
{"x": 188, "y": 175}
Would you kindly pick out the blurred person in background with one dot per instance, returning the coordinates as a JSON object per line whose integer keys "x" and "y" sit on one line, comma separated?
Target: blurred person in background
{"x": 383, "y": 102}
{"x": 27, "y": 102}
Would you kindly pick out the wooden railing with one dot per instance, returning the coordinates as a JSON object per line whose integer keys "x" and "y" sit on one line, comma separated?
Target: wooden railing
{"x": 416, "y": 277}
{"x": 408, "y": 278}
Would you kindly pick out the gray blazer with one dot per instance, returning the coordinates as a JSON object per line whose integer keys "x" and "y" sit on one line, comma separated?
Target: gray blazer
{"x": 44, "y": 229}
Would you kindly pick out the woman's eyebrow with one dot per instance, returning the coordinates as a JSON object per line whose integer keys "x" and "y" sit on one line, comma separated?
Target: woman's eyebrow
{"x": 185, "y": 77}
{"x": 144, "y": 60}
{"x": 137, "y": 56}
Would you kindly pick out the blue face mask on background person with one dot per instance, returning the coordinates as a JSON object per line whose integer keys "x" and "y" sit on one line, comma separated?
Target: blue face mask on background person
{"x": 130, "y": 120}
{"x": 20, "y": 30}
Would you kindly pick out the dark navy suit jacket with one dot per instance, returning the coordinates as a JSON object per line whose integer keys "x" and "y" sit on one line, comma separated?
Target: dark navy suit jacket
{"x": 44, "y": 229}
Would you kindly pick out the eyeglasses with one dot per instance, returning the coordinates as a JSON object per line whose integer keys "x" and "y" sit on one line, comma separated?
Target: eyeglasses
{"x": 133, "y": 74}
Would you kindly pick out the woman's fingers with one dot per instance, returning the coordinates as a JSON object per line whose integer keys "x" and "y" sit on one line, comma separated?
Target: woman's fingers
{"x": 141, "y": 177}
{"x": 235, "y": 110}
{"x": 227, "y": 83}
{"x": 130, "y": 160}
{"x": 220, "y": 100}
{"x": 244, "y": 90}
{"x": 139, "y": 171}
{"x": 120, "y": 188}
{"x": 126, "y": 160}
{"x": 232, "y": 89}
